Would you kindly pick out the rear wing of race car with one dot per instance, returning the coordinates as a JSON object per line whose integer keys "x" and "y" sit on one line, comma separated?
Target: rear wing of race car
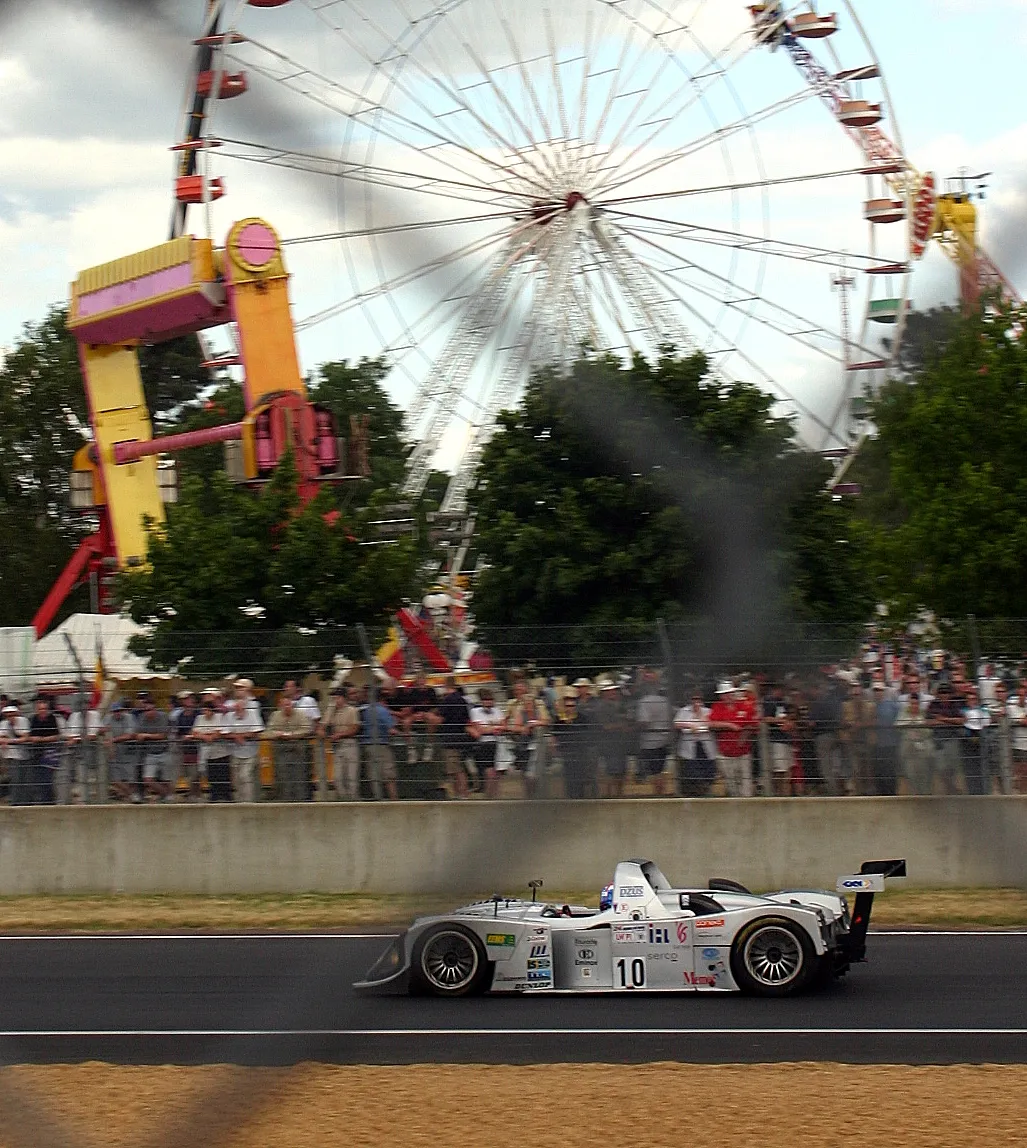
{"x": 870, "y": 880}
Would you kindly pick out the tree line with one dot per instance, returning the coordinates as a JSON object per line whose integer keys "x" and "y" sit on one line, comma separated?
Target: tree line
{"x": 611, "y": 496}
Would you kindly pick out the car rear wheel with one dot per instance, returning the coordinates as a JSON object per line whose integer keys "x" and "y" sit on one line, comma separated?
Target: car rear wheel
{"x": 772, "y": 957}
{"x": 450, "y": 961}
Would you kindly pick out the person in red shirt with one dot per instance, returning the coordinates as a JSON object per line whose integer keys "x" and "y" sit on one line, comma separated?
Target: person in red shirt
{"x": 734, "y": 723}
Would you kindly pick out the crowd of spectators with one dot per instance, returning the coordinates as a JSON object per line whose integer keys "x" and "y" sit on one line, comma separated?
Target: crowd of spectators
{"x": 890, "y": 721}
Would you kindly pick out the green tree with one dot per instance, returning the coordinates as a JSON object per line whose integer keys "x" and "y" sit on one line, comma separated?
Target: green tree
{"x": 233, "y": 570}
{"x": 621, "y": 494}
{"x": 357, "y": 390}
{"x": 947, "y": 488}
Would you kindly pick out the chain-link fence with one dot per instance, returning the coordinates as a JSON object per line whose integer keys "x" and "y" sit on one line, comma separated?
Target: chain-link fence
{"x": 567, "y": 711}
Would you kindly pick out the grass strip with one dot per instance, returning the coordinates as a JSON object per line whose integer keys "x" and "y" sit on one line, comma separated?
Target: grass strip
{"x": 304, "y": 912}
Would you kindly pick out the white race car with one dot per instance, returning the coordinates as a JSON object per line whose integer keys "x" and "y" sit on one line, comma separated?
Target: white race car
{"x": 645, "y": 935}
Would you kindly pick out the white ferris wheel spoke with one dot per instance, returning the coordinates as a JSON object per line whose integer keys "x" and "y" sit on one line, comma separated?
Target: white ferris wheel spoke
{"x": 740, "y": 241}
{"x": 414, "y": 275}
{"x": 716, "y": 71}
{"x": 297, "y": 81}
{"x": 388, "y": 178}
{"x": 806, "y": 334}
{"x": 463, "y": 104}
{"x": 717, "y": 136}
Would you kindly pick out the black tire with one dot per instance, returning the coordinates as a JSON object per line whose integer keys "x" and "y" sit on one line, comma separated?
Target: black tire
{"x": 773, "y": 957}
{"x": 450, "y": 961}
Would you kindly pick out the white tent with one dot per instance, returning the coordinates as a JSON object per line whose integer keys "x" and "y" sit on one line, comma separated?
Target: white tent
{"x": 91, "y": 635}
{"x": 17, "y": 645}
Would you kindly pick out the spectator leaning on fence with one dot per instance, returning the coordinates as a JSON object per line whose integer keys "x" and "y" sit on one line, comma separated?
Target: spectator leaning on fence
{"x": 45, "y": 740}
{"x": 153, "y": 731}
{"x": 976, "y": 720}
{"x": 916, "y": 745}
{"x": 945, "y": 716}
{"x": 654, "y": 730}
{"x": 215, "y": 761}
{"x": 616, "y": 736}
{"x": 456, "y": 742}
{"x": 487, "y": 723}
{"x": 377, "y": 726}
{"x": 1017, "y": 710}
{"x": 83, "y": 733}
{"x": 14, "y": 732}
{"x": 697, "y": 748}
{"x": 244, "y": 726}
{"x": 122, "y": 752}
{"x": 182, "y": 720}
{"x": 342, "y": 725}
{"x": 290, "y": 729}
{"x": 734, "y": 722}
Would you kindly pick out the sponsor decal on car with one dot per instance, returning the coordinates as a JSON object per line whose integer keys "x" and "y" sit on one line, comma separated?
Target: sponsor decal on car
{"x": 540, "y": 975}
{"x": 539, "y": 950}
{"x": 699, "y": 980}
{"x": 628, "y": 891}
{"x": 709, "y": 923}
{"x": 629, "y": 935}
{"x": 658, "y": 935}
{"x": 668, "y": 955}
{"x": 507, "y": 940}
{"x": 539, "y": 964}
{"x": 586, "y": 972}
{"x": 586, "y": 955}
{"x": 682, "y": 932}
{"x": 710, "y": 954}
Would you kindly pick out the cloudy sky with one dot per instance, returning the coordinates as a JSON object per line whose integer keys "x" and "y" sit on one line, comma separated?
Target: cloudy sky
{"x": 91, "y": 94}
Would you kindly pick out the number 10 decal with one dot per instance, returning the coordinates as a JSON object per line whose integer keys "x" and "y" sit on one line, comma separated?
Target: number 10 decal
{"x": 630, "y": 973}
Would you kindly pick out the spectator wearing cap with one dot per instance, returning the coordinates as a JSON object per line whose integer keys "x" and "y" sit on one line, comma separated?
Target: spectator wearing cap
{"x": 182, "y": 720}
{"x": 215, "y": 756}
{"x": 290, "y": 729}
{"x": 243, "y": 725}
{"x": 14, "y": 751}
{"x": 654, "y": 730}
{"x": 734, "y": 722}
{"x": 487, "y": 723}
{"x": 153, "y": 733}
{"x": 342, "y": 725}
{"x": 122, "y": 752}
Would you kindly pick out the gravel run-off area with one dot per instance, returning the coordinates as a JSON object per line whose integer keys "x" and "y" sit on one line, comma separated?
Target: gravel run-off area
{"x": 551, "y": 1106}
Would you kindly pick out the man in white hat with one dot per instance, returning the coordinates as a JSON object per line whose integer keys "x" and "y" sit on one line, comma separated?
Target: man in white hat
{"x": 734, "y": 722}
{"x": 14, "y": 729}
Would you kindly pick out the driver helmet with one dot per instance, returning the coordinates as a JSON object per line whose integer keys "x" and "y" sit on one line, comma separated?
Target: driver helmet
{"x": 606, "y": 898}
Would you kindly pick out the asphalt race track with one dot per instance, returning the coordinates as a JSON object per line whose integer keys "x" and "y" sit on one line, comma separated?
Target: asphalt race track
{"x": 924, "y": 998}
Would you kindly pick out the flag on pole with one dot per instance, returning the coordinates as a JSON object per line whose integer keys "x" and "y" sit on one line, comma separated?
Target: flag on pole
{"x": 99, "y": 678}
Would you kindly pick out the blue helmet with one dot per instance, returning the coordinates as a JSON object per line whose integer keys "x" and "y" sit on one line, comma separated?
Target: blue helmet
{"x": 606, "y": 898}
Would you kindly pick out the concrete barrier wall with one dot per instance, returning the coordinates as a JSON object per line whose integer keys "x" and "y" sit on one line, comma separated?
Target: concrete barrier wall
{"x": 413, "y": 847}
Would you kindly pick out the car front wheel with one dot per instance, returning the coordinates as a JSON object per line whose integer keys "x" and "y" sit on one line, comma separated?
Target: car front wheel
{"x": 772, "y": 957}
{"x": 450, "y": 961}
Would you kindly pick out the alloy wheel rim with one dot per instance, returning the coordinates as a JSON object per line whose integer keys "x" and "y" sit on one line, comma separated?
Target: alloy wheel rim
{"x": 774, "y": 956}
{"x": 450, "y": 961}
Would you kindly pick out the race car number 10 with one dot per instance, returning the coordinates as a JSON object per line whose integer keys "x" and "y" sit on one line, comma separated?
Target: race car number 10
{"x": 631, "y": 973}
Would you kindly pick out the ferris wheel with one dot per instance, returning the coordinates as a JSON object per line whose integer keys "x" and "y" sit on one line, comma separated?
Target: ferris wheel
{"x": 473, "y": 189}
